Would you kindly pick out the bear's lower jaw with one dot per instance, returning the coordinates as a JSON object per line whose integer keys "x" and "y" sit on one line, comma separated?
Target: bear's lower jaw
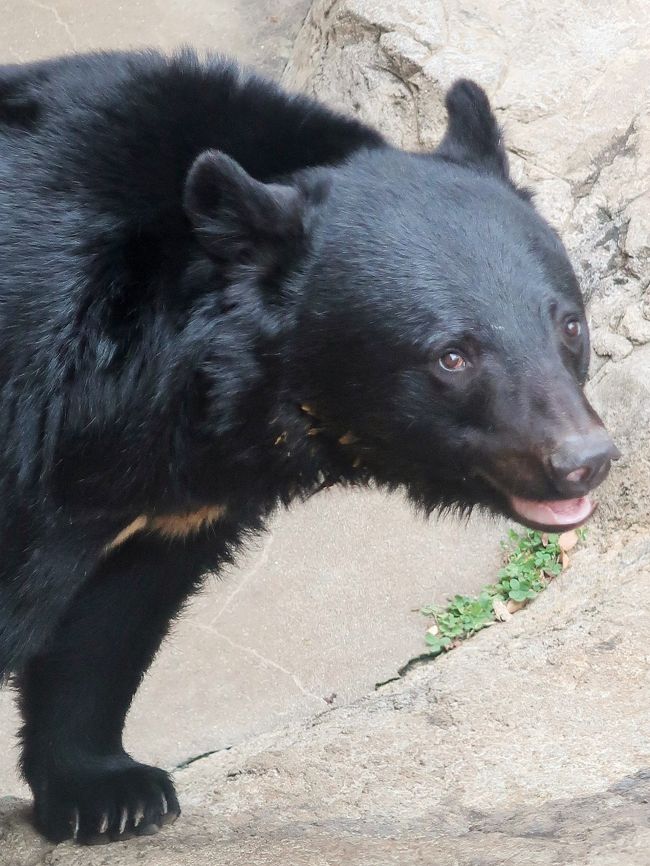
{"x": 552, "y": 515}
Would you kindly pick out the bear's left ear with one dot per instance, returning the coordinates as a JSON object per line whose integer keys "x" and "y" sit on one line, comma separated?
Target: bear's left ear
{"x": 473, "y": 135}
{"x": 238, "y": 219}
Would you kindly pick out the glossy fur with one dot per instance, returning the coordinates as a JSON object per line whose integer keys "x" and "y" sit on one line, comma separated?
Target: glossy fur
{"x": 215, "y": 297}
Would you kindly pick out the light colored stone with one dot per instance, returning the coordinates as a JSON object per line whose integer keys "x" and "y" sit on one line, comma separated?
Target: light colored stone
{"x": 620, "y": 393}
{"x": 637, "y": 239}
{"x": 259, "y": 34}
{"x": 554, "y": 200}
{"x": 635, "y": 326}
{"x": 610, "y": 345}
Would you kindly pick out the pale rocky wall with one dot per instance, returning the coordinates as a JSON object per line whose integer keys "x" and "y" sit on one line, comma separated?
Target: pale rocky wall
{"x": 570, "y": 83}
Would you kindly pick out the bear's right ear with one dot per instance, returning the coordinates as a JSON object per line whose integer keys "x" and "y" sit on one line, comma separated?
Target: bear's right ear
{"x": 238, "y": 219}
{"x": 473, "y": 136}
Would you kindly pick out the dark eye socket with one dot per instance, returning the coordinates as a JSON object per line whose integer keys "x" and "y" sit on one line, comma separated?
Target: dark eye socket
{"x": 572, "y": 328}
{"x": 452, "y": 362}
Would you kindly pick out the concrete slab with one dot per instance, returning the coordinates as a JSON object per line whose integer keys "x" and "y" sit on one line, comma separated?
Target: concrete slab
{"x": 258, "y": 32}
{"x": 325, "y": 608}
{"x": 324, "y": 605}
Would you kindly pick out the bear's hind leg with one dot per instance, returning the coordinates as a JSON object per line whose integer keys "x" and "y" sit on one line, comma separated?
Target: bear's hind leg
{"x": 76, "y": 694}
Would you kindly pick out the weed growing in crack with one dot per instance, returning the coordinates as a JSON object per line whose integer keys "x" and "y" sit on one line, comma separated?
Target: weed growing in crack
{"x": 532, "y": 559}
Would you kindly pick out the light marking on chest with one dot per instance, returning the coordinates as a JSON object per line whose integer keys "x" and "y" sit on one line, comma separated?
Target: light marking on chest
{"x": 170, "y": 526}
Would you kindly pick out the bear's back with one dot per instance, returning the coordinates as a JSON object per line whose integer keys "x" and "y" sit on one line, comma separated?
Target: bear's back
{"x": 94, "y": 151}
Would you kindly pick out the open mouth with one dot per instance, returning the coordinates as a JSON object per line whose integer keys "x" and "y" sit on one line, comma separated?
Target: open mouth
{"x": 552, "y": 515}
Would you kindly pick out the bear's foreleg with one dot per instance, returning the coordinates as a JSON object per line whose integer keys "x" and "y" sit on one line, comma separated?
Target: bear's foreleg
{"x": 75, "y": 696}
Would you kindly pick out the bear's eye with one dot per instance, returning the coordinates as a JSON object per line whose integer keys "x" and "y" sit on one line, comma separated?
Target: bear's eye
{"x": 452, "y": 362}
{"x": 572, "y": 328}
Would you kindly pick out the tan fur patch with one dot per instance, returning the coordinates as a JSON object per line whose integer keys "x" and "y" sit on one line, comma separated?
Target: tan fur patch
{"x": 136, "y": 526}
{"x": 182, "y": 525}
{"x": 170, "y": 525}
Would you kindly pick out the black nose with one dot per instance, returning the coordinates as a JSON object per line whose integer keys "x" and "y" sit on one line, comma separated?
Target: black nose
{"x": 580, "y": 463}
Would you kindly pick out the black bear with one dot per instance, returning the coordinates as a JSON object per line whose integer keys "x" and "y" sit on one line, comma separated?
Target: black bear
{"x": 214, "y": 297}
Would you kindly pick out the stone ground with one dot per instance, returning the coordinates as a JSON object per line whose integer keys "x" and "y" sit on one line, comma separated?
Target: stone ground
{"x": 530, "y": 744}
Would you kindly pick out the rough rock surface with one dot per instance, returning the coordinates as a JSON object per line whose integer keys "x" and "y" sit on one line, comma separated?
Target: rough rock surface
{"x": 530, "y": 744}
{"x": 569, "y": 82}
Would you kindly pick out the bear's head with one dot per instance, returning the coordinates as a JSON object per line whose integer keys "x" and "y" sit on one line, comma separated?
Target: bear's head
{"x": 438, "y": 339}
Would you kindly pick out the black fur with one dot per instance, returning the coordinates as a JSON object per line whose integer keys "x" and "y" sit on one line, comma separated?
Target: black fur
{"x": 217, "y": 295}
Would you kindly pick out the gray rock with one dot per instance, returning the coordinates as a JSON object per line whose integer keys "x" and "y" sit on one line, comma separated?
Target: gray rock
{"x": 609, "y": 345}
{"x": 634, "y": 325}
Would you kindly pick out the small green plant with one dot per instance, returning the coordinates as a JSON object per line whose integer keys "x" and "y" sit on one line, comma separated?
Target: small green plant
{"x": 462, "y": 617}
{"x": 532, "y": 559}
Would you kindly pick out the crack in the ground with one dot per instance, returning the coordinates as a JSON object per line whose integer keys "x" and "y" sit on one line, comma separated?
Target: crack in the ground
{"x": 261, "y": 658}
{"x": 182, "y": 765}
{"x": 620, "y": 145}
{"x": 57, "y": 17}
{"x": 416, "y": 661}
{"x": 262, "y": 559}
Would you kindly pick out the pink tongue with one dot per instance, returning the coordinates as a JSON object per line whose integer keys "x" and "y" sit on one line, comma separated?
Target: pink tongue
{"x": 559, "y": 512}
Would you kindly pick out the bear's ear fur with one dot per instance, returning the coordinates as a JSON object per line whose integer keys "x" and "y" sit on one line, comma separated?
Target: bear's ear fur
{"x": 238, "y": 219}
{"x": 473, "y": 135}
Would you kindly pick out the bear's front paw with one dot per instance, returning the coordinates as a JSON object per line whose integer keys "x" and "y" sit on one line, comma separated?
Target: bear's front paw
{"x": 107, "y": 800}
